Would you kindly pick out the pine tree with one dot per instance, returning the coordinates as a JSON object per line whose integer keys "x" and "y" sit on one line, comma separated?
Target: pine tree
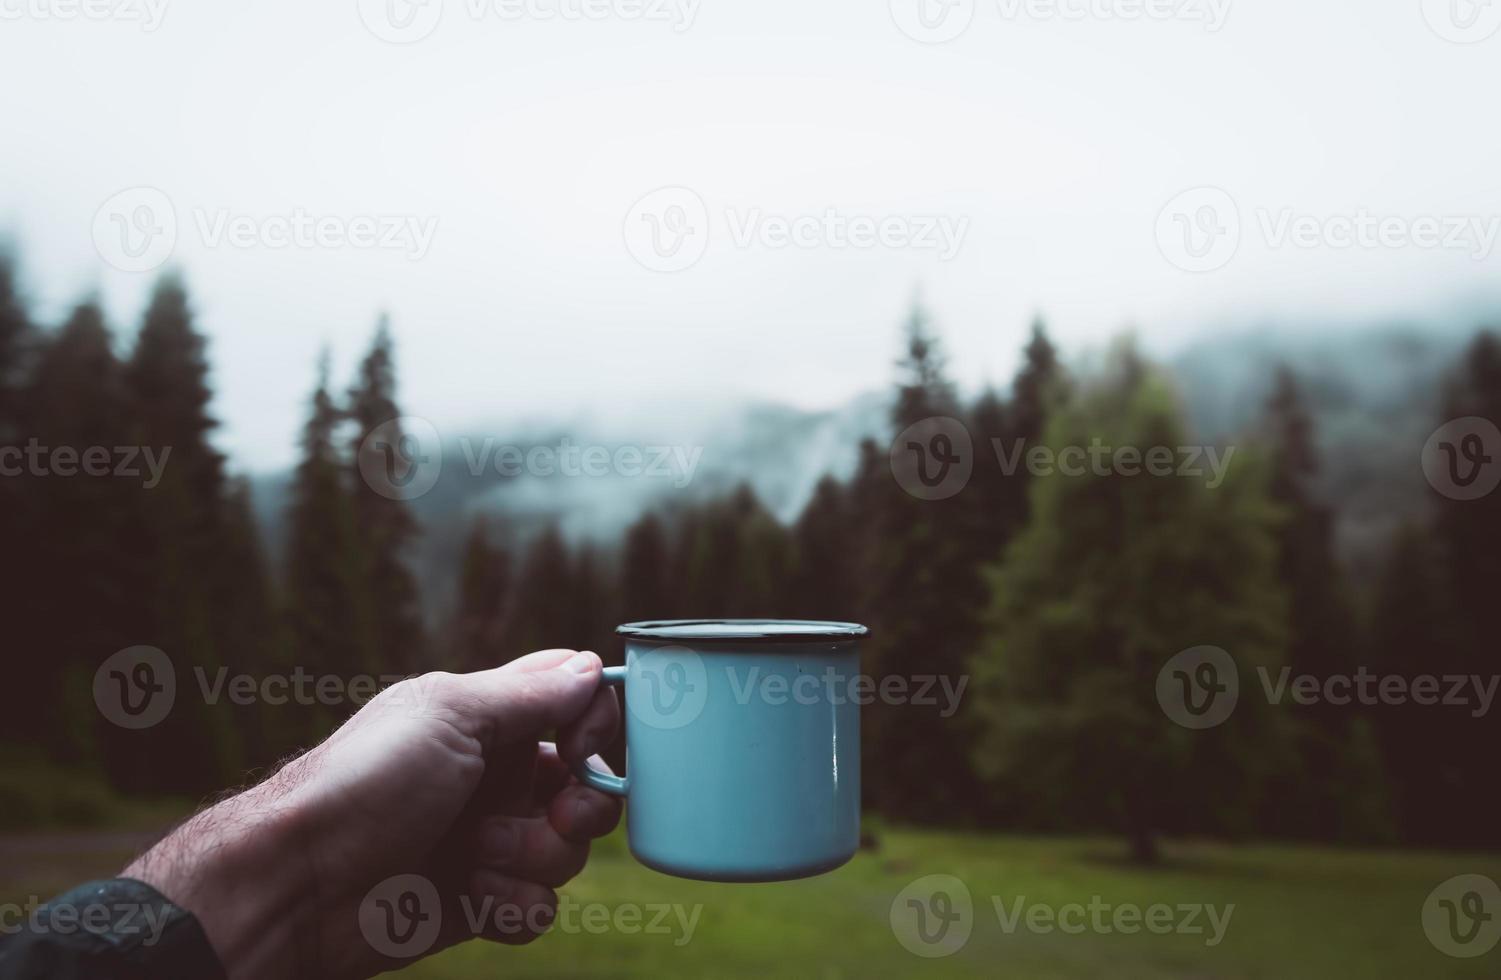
{"x": 385, "y": 527}
{"x": 1468, "y": 534}
{"x": 925, "y": 599}
{"x": 645, "y": 583}
{"x": 18, "y": 343}
{"x": 328, "y": 615}
{"x": 179, "y": 546}
{"x": 1111, "y": 577}
{"x": 1416, "y": 629}
{"x": 824, "y": 581}
{"x": 484, "y": 591}
{"x": 88, "y": 601}
{"x": 543, "y": 615}
{"x": 1334, "y": 791}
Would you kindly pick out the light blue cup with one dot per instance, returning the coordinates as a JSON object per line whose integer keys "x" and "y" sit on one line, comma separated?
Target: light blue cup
{"x": 742, "y": 747}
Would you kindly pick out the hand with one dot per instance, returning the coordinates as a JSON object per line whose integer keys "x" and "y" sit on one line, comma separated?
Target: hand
{"x": 440, "y": 776}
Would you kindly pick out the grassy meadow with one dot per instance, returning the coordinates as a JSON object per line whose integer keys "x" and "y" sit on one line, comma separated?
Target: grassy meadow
{"x": 1298, "y": 912}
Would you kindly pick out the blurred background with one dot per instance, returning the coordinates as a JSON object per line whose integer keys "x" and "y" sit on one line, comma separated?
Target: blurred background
{"x": 354, "y": 340}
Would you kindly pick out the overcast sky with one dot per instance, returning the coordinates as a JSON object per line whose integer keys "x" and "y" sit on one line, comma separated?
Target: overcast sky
{"x": 479, "y": 169}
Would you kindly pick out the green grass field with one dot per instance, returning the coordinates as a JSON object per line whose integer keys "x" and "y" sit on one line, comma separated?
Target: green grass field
{"x": 1298, "y": 912}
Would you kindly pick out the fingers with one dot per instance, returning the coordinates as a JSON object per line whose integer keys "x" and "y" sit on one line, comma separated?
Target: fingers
{"x": 579, "y": 813}
{"x": 594, "y": 729}
{"x": 510, "y": 910}
{"x": 531, "y": 695}
{"x": 529, "y": 848}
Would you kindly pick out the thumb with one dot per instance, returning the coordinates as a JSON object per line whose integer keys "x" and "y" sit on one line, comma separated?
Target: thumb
{"x": 522, "y": 699}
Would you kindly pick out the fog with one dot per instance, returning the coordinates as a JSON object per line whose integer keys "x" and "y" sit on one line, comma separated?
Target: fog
{"x": 524, "y": 139}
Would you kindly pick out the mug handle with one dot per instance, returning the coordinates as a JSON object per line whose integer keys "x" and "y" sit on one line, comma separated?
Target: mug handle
{"x": 587, "y": 774}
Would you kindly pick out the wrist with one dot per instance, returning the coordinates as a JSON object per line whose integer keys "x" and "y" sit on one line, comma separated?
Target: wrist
{"x": 240, "y": 868}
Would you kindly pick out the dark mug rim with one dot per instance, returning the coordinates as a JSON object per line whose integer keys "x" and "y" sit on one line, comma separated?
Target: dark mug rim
{"x": 709, "y": 630}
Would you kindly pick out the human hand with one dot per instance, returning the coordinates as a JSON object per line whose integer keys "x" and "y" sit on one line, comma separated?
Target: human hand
{"x": 441, "y": 776}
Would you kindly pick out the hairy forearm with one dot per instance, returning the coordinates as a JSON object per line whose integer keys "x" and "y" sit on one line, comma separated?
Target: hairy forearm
{"x": 242, "y": 868}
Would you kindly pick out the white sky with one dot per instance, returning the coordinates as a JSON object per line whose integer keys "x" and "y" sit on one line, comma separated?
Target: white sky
{"x": 529, "y": 141}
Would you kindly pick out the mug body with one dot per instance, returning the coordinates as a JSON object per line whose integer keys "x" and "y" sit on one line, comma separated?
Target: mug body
{"x": 743, "y": 747}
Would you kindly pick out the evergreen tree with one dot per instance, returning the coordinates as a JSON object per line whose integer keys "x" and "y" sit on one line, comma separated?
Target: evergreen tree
{"x": 385, "y": 528}
{"x": 1416, "y": 629}
{"x": 823, "y": 580}
{"x": 88, "y": 601}
{"x": 179, "y": 545}
{"x": 1338, "y": 792}
{"x": 926, "y": 597}
{"x": 484, "y": 590}
{"x": 17, "y": 520}
{"x": 645, "y": 577}
{"x": 1468, "y": 535}
{"x": 543, "y": 617}
{"x": 328, "y": 614}
{"x": 1111, "y": 577}
{"x": 1002, "y": 434}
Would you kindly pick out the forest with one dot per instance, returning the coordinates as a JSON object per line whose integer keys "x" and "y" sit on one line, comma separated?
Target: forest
{"x": 1054, "y": 597}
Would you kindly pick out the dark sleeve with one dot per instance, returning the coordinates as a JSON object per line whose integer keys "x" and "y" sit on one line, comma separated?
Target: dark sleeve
{"x": 105, "y": 930}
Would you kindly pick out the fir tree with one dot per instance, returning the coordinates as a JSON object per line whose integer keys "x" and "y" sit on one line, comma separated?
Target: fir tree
{"x": 385, "y": 527}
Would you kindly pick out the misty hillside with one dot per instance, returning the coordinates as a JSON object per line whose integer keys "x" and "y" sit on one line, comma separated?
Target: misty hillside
{"x": 1372, "y": 392}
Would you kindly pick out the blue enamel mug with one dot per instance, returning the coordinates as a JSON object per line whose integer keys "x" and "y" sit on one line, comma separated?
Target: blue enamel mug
{"x": 742, "y": 747}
